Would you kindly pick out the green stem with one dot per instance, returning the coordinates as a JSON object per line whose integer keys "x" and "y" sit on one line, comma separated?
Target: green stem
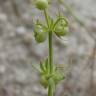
{"x": 50, "y": 91}
{"x": 50, "y": 52}
{"x": 50, "y": 58}
{"x": 46, "y": 17}
{"x": 50, "y": 43}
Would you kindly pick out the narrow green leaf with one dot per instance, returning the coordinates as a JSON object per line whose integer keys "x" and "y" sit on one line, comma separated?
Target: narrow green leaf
{"x": 42, "y": 66}
{"x": 46, "y": 63}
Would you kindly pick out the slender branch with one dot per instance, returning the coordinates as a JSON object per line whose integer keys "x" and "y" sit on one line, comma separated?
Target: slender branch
{"x": 46, "y": 17}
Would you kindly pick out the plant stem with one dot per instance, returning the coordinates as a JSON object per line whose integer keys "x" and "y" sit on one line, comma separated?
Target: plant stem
{"x": 50, "y": 91}
{"x": 50, "y": 52}
{"x": 50, "y": 43}
{"x": 50, "y": 57}
{"x": 46, "y": 17}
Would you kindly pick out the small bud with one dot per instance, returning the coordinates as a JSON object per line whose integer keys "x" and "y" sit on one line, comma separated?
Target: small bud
{"x": 41, "y": 4}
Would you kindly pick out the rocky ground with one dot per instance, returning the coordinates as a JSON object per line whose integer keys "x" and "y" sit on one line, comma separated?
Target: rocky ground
{"x": 18, "y": 49}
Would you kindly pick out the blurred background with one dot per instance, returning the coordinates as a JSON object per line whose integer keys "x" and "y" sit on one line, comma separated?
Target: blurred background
{"x": 75, "y": 52}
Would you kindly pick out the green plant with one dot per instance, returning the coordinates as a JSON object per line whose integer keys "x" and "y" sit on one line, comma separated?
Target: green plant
{"x": 49, "y": 75}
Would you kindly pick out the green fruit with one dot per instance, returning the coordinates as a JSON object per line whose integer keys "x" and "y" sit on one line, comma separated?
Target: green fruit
{"x": 61, "y": 31}
{"x": 63, "y": 23}
{"x": 44, "y": 81}
{"x": 58, "y": 77}
{"x": 41, "y": 4}
{"x": 39, "y": 33}
{"x": 40, "y": 37}
{"x": 66, "y": 29}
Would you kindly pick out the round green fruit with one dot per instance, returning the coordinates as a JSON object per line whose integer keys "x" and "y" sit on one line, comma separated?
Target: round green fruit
{"x": 39, "y": 33}
{"x": 63, "y": 23}
{"x": 43, "y": 81}
{"x": 41, "y": 4}
{"x": 61, "y": 31}
{"x": 40, "y": 37}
